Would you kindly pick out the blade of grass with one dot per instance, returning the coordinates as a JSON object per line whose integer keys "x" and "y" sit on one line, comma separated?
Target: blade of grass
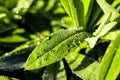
{"x": 108, "y": 8}
{"x": 108, "y": 57}
{"x": 115, "y": 66}
{"x": 75, "y": 9}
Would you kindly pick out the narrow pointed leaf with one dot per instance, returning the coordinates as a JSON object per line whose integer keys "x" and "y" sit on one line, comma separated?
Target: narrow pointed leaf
{"x": 88, "y": 5}
{"x": 13, "y": 39}
{"x": 66, "y": 6}
{"x": 83, "y": 66}
{"x": 108, "y": 58}
{"x": 95, "y": 14}
{"x": 108, "y": 8}
{"x": 55, "y": 71}
{"x": 115, "y": 66}
{"x": 7, "y": 78}
{"x": 93, "y": 40}
{"x": 115, "y": 3}
{"x": 110, "y": 35}
{"x": 22, "y": 6}
{"x": 107, "y": 28}
{"x": 16, "y": 59}
{"x": 105, "y": 20}
{"x": 55, "y": 47}
{"x": 75, "y": 9}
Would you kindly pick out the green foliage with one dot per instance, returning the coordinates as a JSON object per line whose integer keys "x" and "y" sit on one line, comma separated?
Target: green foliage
{"x": 60, "y": 39}
{"x": 7, "y": 78}
{"x": 55, "y": 47}
{"x": 108, "y": 61}
{"x": 55, "y": 72}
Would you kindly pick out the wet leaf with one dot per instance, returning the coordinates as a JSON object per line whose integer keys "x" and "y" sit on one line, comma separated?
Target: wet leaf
{"x": 55, "y": 47}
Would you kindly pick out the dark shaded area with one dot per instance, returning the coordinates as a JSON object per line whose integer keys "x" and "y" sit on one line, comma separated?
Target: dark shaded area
{"x": 118, "y": 77}
{"x": 16, "y": 74}
{"x": 69, "y": 74}
{"x": 68, "y": 70}
{"x": 74, "y": 77}
{"x": 16, "y": 60}
{"x": 34, "y": 74}
{"x": 85, "y": 63}
{"x": 97, "y": 52}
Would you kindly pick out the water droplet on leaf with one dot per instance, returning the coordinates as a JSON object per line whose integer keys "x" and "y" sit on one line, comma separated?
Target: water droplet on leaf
{"x": 52, "y": 51}
{"x": 44, "y": 50}
{"x": 70, "y": 45}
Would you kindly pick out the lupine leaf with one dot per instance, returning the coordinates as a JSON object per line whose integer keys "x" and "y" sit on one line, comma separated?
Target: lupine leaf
{"x": 55, "y": 47}
{"x": 15, "y": 59}
{"x": 83, "y": 66}
{"x": 108, "y": 8}
{"x": 105, "y": 20}
{"x": 108, "y": 58}
{"x": 75, "y": 9}
{"x": 95, "y": 15}
{"x": 110, "y": 35}
{"x": 115, "y": 66}
{"x": 115, "y": 3}
{"x": 66, "y": 6}
{"x": 22, "y": 6}
{"x": 107, "y": 28}
{"x": 7, "y": 78}
{"x": 88, "y": 5}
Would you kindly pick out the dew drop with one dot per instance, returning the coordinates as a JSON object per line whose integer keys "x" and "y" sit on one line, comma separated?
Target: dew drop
{"x": 6, "y": 54}
{"x": 76, "y": 43}
{"x": 44, "y": 50}
{"x": 38, "y": 57}
{"x": 52, "y": 51}
{"x": 38, "y": 42}
{"x": 49, "y": 37}
{"x": 70, "y": 46}
{"x": 45, "y": 59}
{"x": 68, "y": 50}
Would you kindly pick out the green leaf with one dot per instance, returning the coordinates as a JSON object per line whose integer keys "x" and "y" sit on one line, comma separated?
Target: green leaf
{"x": 66, "y": 6}
{"x": 75, "y": 9}
{"x": 8, "y": 3}
{"x": 95, "y": 15}
{"x": 101, "y": 31}
{"x": 115, "y": 3}
{"x": 83, "y": 66}
{"x": 108, "y": 8}
{"x": 7, "y": 78}
{"x": 88, "y": 5}
{"x": 115, "y": 66}
{"x": 108, "y": 58}
{"x": 15, "y": 59}
{"x": 55, "y": 71}
{"x": 105, "y": 20}
{"x": 110, "y": 35}
{"x": 55, "y": 47}
{"x": 107, "y": 28}
{"x": 22, "y": 6}
{"x": 13, "y": 39}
